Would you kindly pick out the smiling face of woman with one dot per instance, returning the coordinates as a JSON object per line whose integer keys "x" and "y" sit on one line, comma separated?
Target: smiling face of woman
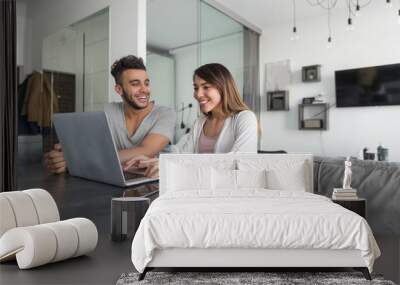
{"x": 207, "y": 95}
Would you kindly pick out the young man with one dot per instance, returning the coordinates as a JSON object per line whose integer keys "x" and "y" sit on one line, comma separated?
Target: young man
{"x": 138, "y": 126}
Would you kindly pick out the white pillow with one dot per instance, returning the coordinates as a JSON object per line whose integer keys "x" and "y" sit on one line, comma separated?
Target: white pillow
{"x": 251, "y": 178}
{"x": 228, "y": 179}
{"x": 282, "y": 174}
{"x": 188, "y": 177}
{"x": 293, "y": 180}
{"x": 223, "y": 179}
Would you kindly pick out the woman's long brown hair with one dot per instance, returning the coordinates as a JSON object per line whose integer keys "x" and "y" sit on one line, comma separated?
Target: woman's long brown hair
{"x": 219, "y": 77}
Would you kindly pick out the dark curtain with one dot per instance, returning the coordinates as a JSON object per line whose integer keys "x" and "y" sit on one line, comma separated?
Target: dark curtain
{"x": 251, "y": 81}
{"x": 8, "y": 96}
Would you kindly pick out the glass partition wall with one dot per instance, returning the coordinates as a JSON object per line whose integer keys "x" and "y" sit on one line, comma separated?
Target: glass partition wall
{"x": 195, "y": 33}
{"x": 70, "y": 75}
{"x": 68, "y": 70}
{"x": 75, "y": 64}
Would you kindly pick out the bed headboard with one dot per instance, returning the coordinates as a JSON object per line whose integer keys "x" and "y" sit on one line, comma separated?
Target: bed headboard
{"x": 297, "y": 166}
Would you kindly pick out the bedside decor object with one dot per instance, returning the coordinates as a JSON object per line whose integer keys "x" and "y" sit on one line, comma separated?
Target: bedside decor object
{"x": 345, "y": 193}
{"x": 311, "y": 73}
{"x": 347, "y": 174}
{"x": 126, "y": 214}
{"x": 278, "y": 100}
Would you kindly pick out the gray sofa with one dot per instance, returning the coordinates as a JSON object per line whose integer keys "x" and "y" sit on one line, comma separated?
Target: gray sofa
{"x": 378, "y": 182}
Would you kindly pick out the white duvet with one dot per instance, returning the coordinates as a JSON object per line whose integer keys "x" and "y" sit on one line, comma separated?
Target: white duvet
{"x": 253, "y": 218}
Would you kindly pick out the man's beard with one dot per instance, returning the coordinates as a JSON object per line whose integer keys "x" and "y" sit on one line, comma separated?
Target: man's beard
{"x": 130, "y": 102}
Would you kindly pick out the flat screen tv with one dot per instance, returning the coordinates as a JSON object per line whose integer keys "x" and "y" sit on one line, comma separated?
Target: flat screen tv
{"x": 369, "y": 86}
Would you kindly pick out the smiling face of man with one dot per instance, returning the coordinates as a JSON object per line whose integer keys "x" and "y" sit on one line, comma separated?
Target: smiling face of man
{"x": 134, "y": 88}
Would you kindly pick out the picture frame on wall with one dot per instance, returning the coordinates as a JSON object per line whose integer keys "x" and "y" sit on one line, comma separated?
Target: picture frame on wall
{"x": 311, "y": 73}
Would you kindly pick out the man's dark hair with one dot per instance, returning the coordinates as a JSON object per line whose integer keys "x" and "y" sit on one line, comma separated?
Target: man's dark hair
{"x": 122, "y": 64}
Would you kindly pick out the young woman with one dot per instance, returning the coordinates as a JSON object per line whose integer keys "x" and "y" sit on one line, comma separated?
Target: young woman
{"x": 227, "y": 125}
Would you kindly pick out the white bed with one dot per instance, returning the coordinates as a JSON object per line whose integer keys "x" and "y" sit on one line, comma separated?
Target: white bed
{"x": 231, "y": 220}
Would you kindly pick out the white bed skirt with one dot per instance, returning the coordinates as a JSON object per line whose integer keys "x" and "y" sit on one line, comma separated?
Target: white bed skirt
{"x": 189, "y": 257}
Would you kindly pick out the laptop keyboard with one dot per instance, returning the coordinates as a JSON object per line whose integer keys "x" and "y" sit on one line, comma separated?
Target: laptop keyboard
{"x": 130, "y": 175}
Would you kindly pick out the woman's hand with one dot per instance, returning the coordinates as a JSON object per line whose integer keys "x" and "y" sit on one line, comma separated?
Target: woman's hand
{"x": 142, "y": 162}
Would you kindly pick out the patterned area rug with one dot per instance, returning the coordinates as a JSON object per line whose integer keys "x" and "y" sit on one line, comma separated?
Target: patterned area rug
{"x": 270, "y": 278}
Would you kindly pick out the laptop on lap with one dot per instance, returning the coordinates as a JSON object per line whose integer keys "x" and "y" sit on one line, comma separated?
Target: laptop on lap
{"x": 90, "y": 150}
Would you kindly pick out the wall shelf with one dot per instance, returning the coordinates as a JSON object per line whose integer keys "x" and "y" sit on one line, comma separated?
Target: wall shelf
{"x": 278, "y": 100}
{"x": 313, "y": 116}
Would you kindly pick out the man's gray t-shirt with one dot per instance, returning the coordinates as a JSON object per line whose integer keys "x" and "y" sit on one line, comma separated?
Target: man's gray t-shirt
{"x": 161, "y": 120}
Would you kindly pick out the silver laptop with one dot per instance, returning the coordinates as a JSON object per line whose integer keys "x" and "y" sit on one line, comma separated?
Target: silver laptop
{"x": 90, "y": 151}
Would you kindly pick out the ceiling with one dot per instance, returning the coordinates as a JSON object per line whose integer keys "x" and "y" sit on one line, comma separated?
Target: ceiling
{"x": 264, "y": 13}
{"x": 173, "y": 23}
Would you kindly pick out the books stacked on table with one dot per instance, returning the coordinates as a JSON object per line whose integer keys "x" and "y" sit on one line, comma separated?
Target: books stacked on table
{"x": 344, "y": 194}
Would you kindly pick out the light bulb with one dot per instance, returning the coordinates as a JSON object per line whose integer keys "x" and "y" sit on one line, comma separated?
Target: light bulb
{"x": 329, "y": 45}
{"x": 295, "y": 36}
{"x": 350, "y": 26}
{"x": 358, "y": 10}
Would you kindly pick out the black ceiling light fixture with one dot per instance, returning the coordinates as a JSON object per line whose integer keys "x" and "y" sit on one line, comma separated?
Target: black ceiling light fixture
{"x": 354, "y": 9}
{"x": 295, "y": 35}
{"x": 358, "y": 9}
{"x": 398, "y": 14}
{"x": 398, "y": 19}
{"x": 329, "y": 25}
{"x": 350, "y": 26}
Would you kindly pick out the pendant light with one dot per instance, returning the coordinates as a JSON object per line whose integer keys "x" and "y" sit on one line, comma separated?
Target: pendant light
{"x": 295, "y": 35}
{"x": 350, "y": 26}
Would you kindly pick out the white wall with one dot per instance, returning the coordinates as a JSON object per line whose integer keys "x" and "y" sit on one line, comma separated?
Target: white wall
{"x": 127, "y": 27}
{"x": 375, "y": 41}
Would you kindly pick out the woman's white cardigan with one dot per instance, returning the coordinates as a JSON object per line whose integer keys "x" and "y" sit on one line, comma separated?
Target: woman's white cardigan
{"x": 239, "y": 134}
